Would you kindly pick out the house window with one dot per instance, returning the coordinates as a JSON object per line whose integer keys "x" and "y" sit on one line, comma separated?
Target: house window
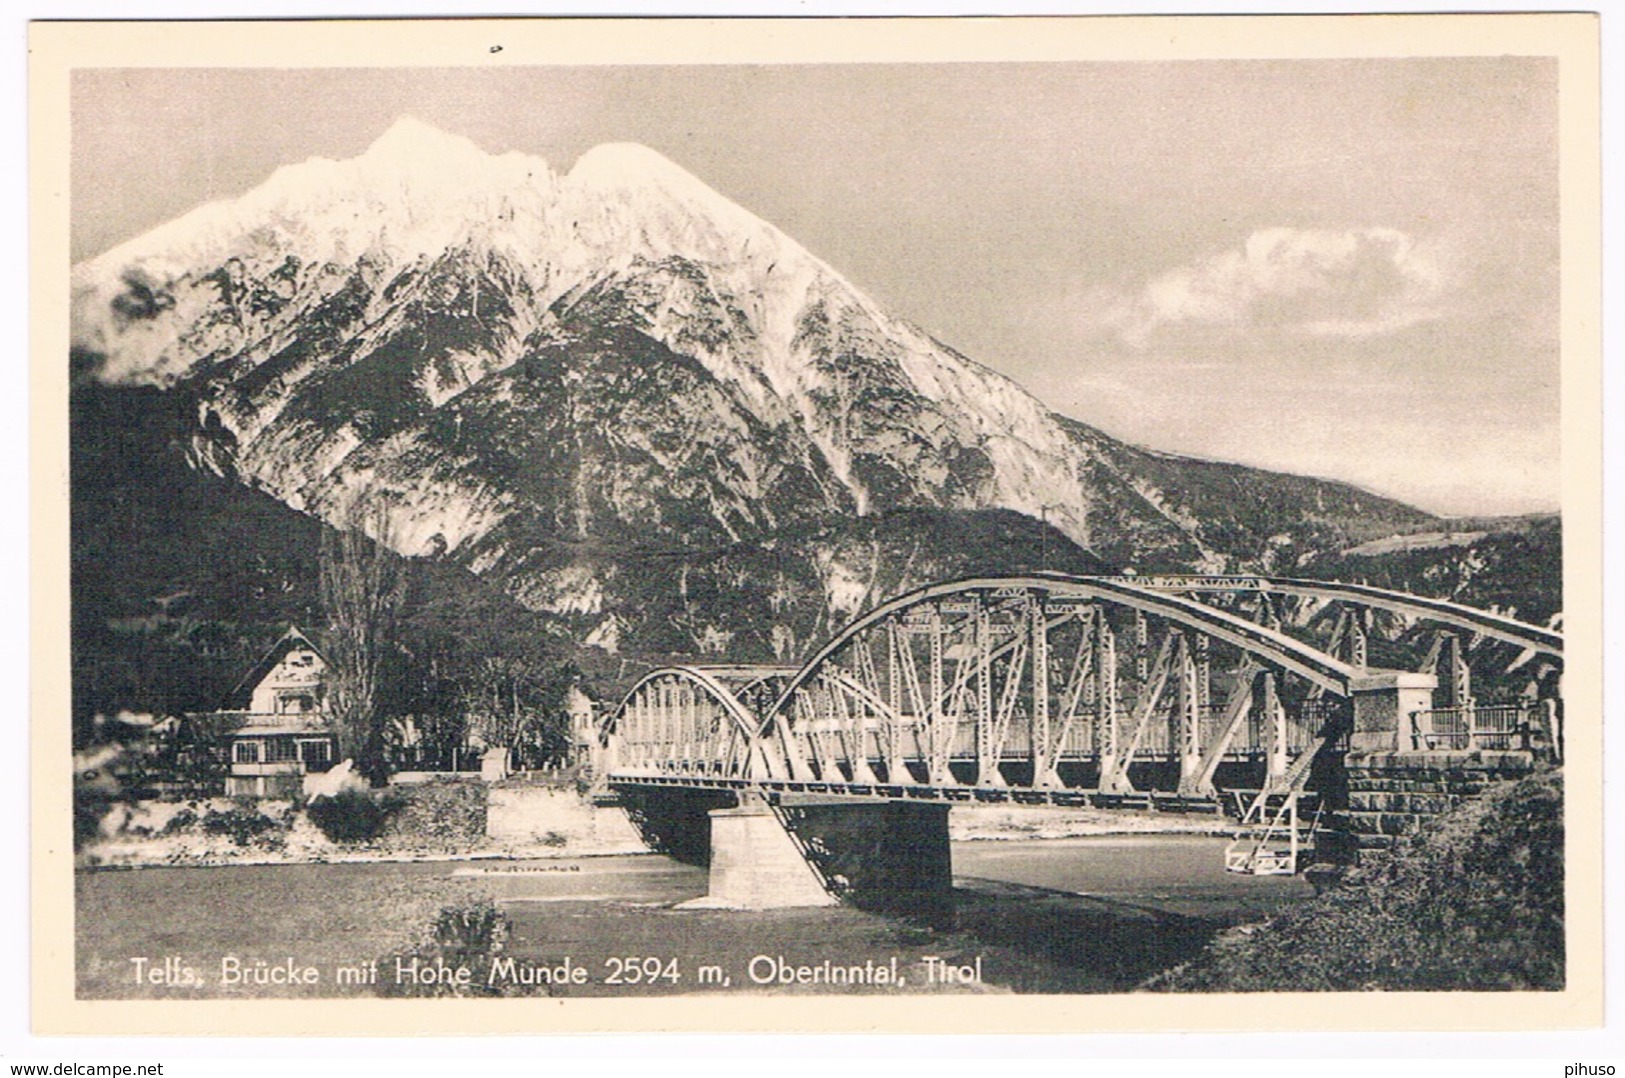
{"x": 280, "y": 750}
{"x": 301, "y": 658}
{"x": 245, "y": 752}
{"x": 298, "y": 704}
{"x": 314, "y": 753}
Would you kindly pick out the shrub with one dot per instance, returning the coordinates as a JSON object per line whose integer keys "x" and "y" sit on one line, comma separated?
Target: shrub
{"x": 435, "y": 815}
{"x": 179, "y": 822}
{"x": 244, "y": 824}
{"x": 87, "y": 818}
{"x": 470, "y": 936}
{"x": 350, "y": 815}
{"x": 467, "y": 932}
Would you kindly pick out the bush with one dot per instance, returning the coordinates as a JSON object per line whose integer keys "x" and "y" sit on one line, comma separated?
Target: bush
{"x": 469, "y": 936}
{"x": 179, "y": 822}
{"x": 350, "y": 815}
{"x": 87, "y": 818}
{"x": 443, "y": 816}
{"x": 244, "y": 824}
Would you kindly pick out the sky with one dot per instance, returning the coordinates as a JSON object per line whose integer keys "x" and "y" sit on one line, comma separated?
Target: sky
{"x": 1338, "y": 268}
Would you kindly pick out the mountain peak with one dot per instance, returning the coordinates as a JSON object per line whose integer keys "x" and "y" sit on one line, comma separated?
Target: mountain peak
{"x": 410, "y": 139}
{"x": 442, "y": 328}
{"x": 626, "y": 162}
{"x": 676, "y": 210}
{"x": 632, "y": 167}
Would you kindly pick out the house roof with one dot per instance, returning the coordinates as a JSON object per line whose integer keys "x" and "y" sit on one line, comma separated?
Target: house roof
{"x": 239, "y": 697}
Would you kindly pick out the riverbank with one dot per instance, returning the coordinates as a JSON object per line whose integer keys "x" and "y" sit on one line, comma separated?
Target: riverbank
{"x": 1016, "y": 823}
{"x": 514, "y": 821}
{"x": 1473, "y": 903}
{"x": 186, "y": 933}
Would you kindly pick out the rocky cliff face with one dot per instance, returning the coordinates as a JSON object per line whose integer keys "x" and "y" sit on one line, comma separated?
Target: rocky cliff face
{"x": 552, "y": 378}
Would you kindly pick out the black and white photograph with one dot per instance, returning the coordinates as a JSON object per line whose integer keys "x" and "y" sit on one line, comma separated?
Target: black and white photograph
{"x": 909, "y": 527}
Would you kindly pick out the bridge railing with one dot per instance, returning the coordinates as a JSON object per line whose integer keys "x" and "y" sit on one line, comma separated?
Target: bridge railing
{"x": 1498, "y": 727}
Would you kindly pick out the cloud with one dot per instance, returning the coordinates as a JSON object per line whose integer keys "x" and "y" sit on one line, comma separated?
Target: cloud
{"x": 1360, "y": 282}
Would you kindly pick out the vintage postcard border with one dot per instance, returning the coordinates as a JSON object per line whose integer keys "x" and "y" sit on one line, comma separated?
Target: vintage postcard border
{"x": 57, "y": 48}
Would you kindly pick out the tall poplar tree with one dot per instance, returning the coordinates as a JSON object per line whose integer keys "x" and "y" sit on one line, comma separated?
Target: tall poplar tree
{"x": 363, "y": 587}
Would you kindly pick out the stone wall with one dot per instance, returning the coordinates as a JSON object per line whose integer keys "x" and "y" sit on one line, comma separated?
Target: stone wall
{"x": 527, "y": 818}
{"x": 1394, "y": 793}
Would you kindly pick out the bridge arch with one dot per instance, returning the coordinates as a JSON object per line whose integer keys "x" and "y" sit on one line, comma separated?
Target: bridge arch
{"x": 1535, "y": 638}
{"x": 1290, "y": 654}
{"x": 1020, "y": 673}
{"x": 686, "y": 720}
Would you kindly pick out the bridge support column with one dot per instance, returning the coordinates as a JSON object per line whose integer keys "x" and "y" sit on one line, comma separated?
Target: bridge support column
{"x": 1383, "y": 703}
{"x": 756, "y": 864}
{"x": 1396, "y": 788}
{"x": 817, "y": 851}
{"x": 1391, "y": 794}
{"x": 873, "y": 853}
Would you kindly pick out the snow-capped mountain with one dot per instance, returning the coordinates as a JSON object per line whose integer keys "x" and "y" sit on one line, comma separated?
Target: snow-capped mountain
{"x": 519, "y": 363}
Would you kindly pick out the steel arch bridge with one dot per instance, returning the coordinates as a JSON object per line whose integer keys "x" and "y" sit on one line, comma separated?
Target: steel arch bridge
{"x": 1047, "y": 687}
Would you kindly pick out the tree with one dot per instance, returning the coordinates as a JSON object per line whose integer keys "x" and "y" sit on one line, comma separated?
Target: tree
{"x": 518, "y": 705}
{"x": 363, "y": 586}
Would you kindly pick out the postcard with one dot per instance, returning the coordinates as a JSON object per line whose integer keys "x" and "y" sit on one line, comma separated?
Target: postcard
{"x": 1015, "y": 524}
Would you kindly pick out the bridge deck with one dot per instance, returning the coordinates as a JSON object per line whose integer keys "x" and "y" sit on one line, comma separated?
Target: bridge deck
{"x": 1076, "y": 797}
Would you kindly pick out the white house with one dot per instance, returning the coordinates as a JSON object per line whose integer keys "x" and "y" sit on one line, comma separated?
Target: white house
{"x": 278, "y": 721}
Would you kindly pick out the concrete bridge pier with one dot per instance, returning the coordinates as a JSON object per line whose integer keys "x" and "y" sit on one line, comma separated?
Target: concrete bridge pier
{"x": 816, "y": 851}
{"x": 1384, "y": 701}
{"x": 756, "y": 864}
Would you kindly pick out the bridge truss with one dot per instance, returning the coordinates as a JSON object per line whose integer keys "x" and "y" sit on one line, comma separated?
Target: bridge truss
{"x": 1049, "y": 683}
{"x": 1050, "y": 687}
{"x": 1498, "y": 678}
{"x": 1096, "y": 690}
{"x": 693, "y": 720}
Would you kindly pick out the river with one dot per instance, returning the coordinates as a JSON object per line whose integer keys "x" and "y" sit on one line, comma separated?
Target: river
{"x": 1058, "y": 915}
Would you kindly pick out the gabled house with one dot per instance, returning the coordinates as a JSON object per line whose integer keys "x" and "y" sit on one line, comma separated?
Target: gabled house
{"x": 276, "y": 721}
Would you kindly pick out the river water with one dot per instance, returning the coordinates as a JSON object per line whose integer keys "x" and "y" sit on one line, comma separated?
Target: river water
{"x": 1058, "y": 915}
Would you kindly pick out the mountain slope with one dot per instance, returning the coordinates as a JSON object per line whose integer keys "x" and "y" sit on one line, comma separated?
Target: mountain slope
{"x": 182, "y": 579}
{"x": 539, "y": 373}
{"x": 1513, "y": 565}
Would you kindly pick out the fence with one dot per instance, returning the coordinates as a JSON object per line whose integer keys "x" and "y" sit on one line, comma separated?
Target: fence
{"x": 1495, "y": 728}
{"x": 433, "y": 758}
